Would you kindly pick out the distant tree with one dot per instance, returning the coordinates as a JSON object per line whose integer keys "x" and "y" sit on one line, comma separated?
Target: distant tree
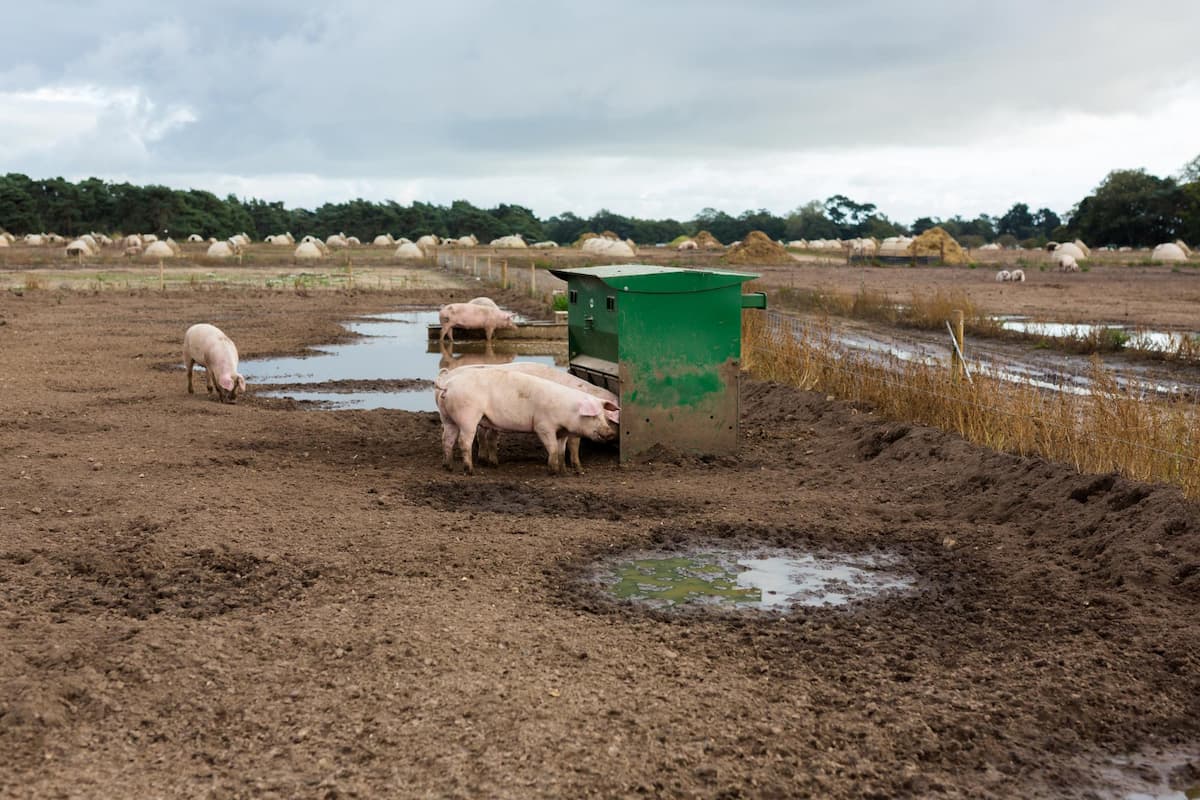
{"x": 1045, "y": 221}
{"x": 1017, "y": 222}
{"x": 922, "y": 224}
{"x": 1131, "y": 207}
{"x": 18, "y": 212}
{"x": 719, "y": 224}
{"x": 878, "y": 226}
{"x": 809, "y": 222}
{"x": 1190, "y": 172}
{"x": 848, "y": 215}
{"x": 565, "y": 227}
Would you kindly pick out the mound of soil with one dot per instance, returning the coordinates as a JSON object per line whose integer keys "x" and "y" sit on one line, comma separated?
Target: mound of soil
{"x": 706, "y": 241}
{"x": 757, "y": 248}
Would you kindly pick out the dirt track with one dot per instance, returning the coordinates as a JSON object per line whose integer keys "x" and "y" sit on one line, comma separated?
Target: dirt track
{"x": 201, "y": 599}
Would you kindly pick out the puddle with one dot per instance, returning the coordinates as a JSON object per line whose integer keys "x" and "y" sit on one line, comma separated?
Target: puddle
{"x": 1066, "y": 374}
{"x": 395, "y": 347}
{"x": 1151, "y": 776}
{"x": 772, "y": 581}
{"x": 1137, "y": 339}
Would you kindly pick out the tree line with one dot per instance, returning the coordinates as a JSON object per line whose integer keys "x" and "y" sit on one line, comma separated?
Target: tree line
{"x": 1129, "y": 207}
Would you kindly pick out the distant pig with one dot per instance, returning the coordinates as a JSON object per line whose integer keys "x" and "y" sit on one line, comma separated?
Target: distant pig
{"x": 207, "y": 346}
{"x": 513, "y": 401}
{"x": 473, "y": 316}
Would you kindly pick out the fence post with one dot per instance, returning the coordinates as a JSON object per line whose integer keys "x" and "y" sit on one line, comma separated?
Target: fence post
{"x": 532, "y": 279}
{"x": 956, "y": 360}
{"x": 504, "y": 274}
{"x": 162, "y": 281}
{"x": 489, "y": 258}
{"x": 475, "y": 266}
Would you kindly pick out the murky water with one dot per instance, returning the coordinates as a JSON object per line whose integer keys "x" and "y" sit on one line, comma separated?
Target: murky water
{"x": 774, "y": 580}
{"x": 395, "y": 347}
{"x": 1137, "y": 339}
{"x": 1151, "y": 775}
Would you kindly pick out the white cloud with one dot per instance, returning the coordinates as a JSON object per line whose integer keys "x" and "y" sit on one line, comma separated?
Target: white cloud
{"x": 652, "y": 109}
{"x": 62, "y": 125}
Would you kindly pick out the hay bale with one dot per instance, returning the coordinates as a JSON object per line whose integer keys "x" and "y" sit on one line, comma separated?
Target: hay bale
{"x": 584, "y": 237}
{"x": 757, "y": 248}
{"x": 936, "y": 242}
{"x": 706, "y": 241}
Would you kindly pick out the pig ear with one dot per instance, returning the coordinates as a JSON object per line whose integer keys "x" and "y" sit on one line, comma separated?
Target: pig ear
{"x": 241, "y": 383}
{"x": 589, "y": 408}
{"x": 613, "y": 413}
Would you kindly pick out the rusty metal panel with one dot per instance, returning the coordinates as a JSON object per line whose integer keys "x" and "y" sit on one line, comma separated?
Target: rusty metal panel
{"x": 706, "y": 424}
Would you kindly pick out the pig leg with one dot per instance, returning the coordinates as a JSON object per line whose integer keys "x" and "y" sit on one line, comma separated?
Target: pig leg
{"x": 190, "y": 363}
{"x": 447, "y": 330}
{"x": 573, "y": 449}
{"x": 449, "y": 436}
{"x": 210, "y": 381}
{"x": 466, "y": 440}
{"x": 489, "y": 445}
{"x": 551, "y": 441}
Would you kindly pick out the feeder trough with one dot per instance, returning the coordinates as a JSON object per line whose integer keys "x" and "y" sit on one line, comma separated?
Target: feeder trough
{"x": 668, "y": 342}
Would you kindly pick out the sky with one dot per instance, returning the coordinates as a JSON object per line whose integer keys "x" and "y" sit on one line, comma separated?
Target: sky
{"x": 649, "y": 109}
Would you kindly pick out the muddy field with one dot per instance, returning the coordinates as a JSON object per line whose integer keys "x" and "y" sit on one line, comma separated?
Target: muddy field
{"x": 200, "y": 599}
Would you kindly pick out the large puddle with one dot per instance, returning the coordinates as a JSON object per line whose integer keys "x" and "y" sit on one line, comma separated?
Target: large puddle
{"x": 1134, "y": 338}
{"x": 395, "y": 350}
{"x": 775, "y": 580}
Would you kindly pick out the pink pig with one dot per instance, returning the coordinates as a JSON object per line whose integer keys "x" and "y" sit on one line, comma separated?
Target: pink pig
{"x": 207, "y": 346}
{"x": 512, "y": 401}
{"x": 473, "y": 316}
{"x": 489, "y": 438}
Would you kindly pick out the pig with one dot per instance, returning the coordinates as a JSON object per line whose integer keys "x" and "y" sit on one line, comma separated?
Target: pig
{"x": 508, "y": 400}
{"x": 489, "y": 438}
{"x": 207, "y": 346}
{"x": 473, "y": 316}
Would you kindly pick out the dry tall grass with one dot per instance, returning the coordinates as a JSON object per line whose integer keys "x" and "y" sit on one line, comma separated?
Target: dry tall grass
{"x": 1111, "y": 429}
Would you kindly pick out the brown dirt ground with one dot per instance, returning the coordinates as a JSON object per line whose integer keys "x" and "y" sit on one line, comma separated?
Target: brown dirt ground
{"x": 200, "y": 599}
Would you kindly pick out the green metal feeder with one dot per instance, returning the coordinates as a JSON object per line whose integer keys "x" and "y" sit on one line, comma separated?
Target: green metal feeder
{"x": 668, "y": 342}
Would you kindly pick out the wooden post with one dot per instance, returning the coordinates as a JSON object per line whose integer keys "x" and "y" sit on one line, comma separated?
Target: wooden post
{"x": 532, "y": 279}
{"x": 956, "y": 356}
{"x": 350, "y": 270}
{"x": 162, "y": 281}
{"x": 504, "y": 274}
{"x": 489, "y": 258}
{"x": 475, "y": 266}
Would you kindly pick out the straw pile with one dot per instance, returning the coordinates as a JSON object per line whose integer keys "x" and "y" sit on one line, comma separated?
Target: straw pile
{"x": 757, "y": 248}
{"x": 584, "y": 237}
{"x": 706, "y": 241}
{"x": 936, "y": 242}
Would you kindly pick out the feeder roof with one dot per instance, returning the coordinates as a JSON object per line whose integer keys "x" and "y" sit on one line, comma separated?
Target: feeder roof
{"x": 648, "y": 279}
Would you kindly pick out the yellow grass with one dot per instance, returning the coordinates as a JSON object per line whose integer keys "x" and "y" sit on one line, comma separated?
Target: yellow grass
{"x": 1110, "y": 430}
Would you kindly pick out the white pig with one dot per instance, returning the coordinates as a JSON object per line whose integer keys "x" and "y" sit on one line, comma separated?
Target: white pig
{"x": 513, "y": 401}
{"x": 489, "y": 438}
{"x": 207, "y": 346}
{"x": 473, "y": 316}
